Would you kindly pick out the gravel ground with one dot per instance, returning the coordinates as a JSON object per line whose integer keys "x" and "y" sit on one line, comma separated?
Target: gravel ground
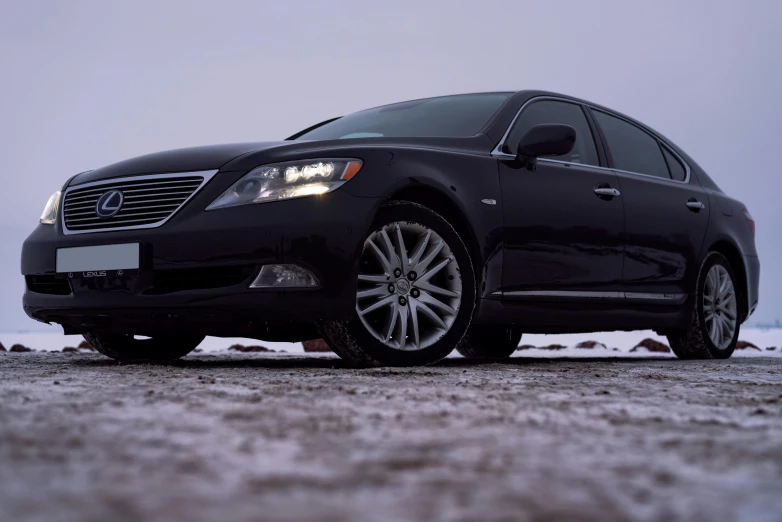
{"x": 245, "y": 437}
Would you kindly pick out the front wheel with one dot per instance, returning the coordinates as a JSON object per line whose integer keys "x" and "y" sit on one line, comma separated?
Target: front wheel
{"x": 715, "y": 325}
{"x": 415, "y": 293}
{"x": 126, "y": 348}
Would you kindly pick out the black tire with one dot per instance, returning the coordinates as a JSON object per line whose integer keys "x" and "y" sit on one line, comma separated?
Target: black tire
{"x": 126, "y": 348}
{"x": 695, "y": 343}
{"x": 490, "y": 342}
{"x": 350, "y": 339}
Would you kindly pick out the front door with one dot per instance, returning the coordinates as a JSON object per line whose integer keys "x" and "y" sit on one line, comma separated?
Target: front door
{"x": 563, "y": 227}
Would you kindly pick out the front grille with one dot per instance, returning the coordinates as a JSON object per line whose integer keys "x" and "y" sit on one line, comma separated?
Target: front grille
{"x": 48, "y": 284}
{"x": 147, "y": 202}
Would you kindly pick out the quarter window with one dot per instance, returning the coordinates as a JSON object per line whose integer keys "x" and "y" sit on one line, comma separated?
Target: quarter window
{"x": 675, "y": 166}
{"x": 632, "y": 148}
{"x": 546, "y": 111}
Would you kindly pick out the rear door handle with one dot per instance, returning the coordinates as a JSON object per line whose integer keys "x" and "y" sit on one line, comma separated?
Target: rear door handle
{"x": 607, "y": 192}
{"x": 695, "y": 205}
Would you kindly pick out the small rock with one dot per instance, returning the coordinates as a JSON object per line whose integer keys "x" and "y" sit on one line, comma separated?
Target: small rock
{"x": 316, "y": 345}
{"x": 247, "y": 349}
{"x": 553, "y": 347}
{"x": 70, "y": 349}
{"x": 20, "y": 348}
{"x": 650, "y": 345}
{"x": 56, "y": 382}
{"x": 603, "y": 392}
{"x": 759, "y": 411}
{"x": 770, "y": 348}
{"x": 746, "y": 345}
{"x": 590, "y": 345}
{"x": 84, "y": 345}
{"x": 525, "y": 347}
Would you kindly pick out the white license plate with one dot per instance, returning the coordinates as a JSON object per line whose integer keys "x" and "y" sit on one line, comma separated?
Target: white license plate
{"x": 103, "y": 257}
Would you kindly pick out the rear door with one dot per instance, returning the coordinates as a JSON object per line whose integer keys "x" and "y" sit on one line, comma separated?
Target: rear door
{"x": 562, "y": 238}
{"x": 666, "y": 211}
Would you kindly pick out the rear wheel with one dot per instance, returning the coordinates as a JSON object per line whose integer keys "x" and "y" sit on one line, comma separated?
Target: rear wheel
{"x": 715, "y": 325}
{"x": 126, "y": 348}
{"x": 415, "y": 294}
{"x": 490, "y": 342}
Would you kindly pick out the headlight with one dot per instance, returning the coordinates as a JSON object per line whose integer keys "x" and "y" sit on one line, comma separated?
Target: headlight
{"x": 294, "y": 179}
{"x": 49, "y": 214}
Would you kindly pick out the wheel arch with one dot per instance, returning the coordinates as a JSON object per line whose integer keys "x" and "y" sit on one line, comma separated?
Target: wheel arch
{"x": 436, "y": 200}
{"x": 736, "y": 260}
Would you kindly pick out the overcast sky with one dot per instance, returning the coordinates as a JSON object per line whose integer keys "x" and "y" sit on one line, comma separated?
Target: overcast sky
{"x": 85, "y": 84}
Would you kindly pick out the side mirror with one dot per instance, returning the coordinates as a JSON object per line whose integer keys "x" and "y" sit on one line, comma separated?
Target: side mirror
{"x": 547, "y": 140}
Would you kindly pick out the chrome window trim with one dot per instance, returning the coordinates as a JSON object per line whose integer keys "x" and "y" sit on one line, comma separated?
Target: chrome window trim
{"x": 573, "y": 164}
{"x": 499, "y": 154}
{"x": 206, "y": 174}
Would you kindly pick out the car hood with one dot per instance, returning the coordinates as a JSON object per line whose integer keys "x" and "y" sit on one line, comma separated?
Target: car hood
{"x": 192, "y": 159}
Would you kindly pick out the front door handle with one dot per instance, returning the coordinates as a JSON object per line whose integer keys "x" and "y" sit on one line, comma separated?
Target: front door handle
{"x": 607, "y": 192}
{"x": 695, "y": 205}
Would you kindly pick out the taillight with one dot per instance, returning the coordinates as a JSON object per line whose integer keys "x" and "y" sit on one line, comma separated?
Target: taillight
{"x": 750, "y": 221}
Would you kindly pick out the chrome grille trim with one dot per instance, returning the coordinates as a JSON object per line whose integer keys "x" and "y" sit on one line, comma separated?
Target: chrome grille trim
{"x": 150, "y": 201}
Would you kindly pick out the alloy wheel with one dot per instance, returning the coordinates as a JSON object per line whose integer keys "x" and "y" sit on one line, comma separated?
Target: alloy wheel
{"x": 719, "y": 307}
{"x": 409, "y": 286}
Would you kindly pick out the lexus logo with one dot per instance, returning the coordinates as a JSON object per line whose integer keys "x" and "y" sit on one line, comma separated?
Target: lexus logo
{"x": 109, "y": 203}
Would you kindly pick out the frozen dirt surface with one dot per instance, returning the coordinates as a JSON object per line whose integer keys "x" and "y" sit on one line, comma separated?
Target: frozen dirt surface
{"x": 244, "y": 437}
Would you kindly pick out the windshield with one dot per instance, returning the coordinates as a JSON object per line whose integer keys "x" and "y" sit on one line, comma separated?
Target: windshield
{"x": 446, "y": 117}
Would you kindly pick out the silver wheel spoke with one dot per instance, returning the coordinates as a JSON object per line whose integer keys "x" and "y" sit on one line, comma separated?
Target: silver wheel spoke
{"x": 421, "y": 266}
{"x": 372, "y": 278}
{"x": 407, "y": 311}
{"x": 730, "y": 314}
{"x": 414, "y": 320}
{"x": 393, "y": 257}
{"x": 431, "y": 315}
{"x": 713, "y": 282}
{"x": 374, "y": 292}
{"x": 435, "y": 269}
{"x": 418, "y": 251}
{"x": 714, "y": 332}
{"x": 390, "y": 322}
{"x": 380, "y": 256}
{"x": 719, "y": 307}
{"x": 402, "y": 327}
{"x": 428, "y": 287}
{"x": 400, "y": 248}
{"x": 383, "y": 302}
{"x": 430, "y": 300}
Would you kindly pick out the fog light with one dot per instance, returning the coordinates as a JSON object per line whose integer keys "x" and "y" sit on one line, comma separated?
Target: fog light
{"x": 285, "y": 276}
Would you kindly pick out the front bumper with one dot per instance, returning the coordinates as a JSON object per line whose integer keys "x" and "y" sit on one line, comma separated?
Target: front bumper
{"x": 323, "y": 234}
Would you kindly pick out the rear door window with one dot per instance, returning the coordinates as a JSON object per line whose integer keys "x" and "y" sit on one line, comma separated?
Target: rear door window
{"x": 632, "y": 148}
{"x": 678, "y": 171}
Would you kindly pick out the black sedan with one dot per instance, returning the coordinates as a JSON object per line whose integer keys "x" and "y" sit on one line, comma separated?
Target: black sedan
{"x": 400, "y": 233}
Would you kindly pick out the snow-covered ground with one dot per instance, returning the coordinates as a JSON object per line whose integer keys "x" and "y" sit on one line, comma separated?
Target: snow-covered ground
{"x": 622, "y": 341}
{"x": 244, "y": 437}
